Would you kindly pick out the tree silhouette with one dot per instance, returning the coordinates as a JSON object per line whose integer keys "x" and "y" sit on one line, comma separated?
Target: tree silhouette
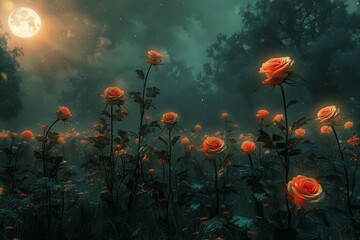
{"x": 10, "y": 102}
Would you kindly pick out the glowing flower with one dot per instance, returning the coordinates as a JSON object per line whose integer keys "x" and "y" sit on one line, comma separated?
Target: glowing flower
{"x": 327, "y": 113}
{"x": 185, "y": 141}
{"x": 278, "y": 118}
{"x": 348, "y": 125}
{"x": 305, "y": 192}
{"x": 147, "y": 117}
{"x": 169, "y": 119}
{"x": 197, "y": 127}
{"x": 4, "y": 135}
{"x": 61, "y": 140}
{"x": 300, "y": 132}
{"x": 151, "y": 171}
{"x": 63, "y": 113}
{"x": 26, "y": 134}
{"x": 325, "y": 129}
{"x": 14, "y": 134}
{"x": 213, "y": 146}
{"x": 262, "y": 114}
{"x": 224, "y": 115}
{"x": 113, "y": 94}
{"x": 154, "y": 57}
{"x": 277, "y": 70}
{"x": 267, "y": 152}
{"x": 353, "y": 140}
{"x": 248, "y": 147}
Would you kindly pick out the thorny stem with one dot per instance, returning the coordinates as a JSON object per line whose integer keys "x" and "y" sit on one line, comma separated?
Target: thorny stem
{"x": 346, "y": 172}
{"x": 216, "y": 189}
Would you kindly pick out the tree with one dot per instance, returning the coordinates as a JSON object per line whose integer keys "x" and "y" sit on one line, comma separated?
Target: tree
{"x": 10, "y": 102}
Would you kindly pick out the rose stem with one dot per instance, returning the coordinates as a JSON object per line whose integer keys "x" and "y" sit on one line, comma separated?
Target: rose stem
{"x": 251, "y": 162}
{"x": 345, "y": 170}
{"x": 170, "y": 173}
{"x": 287, "y": 163}
{"x": 216, "y": 190}
{"x": 112, "y": 160}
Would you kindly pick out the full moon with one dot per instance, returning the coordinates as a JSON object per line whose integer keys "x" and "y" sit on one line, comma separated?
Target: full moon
{"x": 24, "y": 22}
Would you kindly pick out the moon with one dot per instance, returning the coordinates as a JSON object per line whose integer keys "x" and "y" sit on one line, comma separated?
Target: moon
{"x": 24, "y": 22}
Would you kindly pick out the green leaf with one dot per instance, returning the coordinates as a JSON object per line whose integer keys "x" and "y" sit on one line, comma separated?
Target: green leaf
{"x": 140, "y": 74}
{"x": 277, "y": 137}
{"x": 152, "y": 92}
{"x": 292, "y": 102}
{"x": 242, "y": 222}
{"x": 174, "y": 140}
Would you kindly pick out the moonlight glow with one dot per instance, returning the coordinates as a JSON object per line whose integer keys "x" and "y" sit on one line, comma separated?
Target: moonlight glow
{"x": 24, "y": 22}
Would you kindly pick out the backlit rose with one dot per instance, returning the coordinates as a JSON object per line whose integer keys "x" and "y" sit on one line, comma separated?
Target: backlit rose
{"x": 248, "y": 147}
{"x": 277, "y": 70}
{"x": 348, "y": 125}
{"x": 63, "y": 113}
{"x": 169, "y": 119}
{"x": 300, "y": 132}
{"x": 224, "y": 115}
{"x": 325, "y": 129}
{"x": 197, "y": 127}
{"x": 154, "y": 57}
{"x": 185, "y": 141}
{"x": 262, "y": 114}
{"x": 353, "y": 140}
{"x": 213, "y": 146}
{"x": 113, "y": 94}
{"x": 305, "y": 192}
{"x": 278, "y": 118}
{"x": 326, "y": 114}
{"x": 27, "y": 134}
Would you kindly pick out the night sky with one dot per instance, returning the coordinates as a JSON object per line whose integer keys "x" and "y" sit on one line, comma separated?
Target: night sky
{"x": 85, "y": 46}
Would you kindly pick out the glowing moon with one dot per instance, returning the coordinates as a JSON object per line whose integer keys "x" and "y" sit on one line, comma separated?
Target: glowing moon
{"x": 24, "y": 22}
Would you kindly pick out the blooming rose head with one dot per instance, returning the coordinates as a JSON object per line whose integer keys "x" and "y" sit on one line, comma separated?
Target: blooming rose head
{"x": 277, "y": 70}
{"x": 154, "y": 57}
{"x": 212, "y": 146}
{"x": 63, "y": 113}
{"x": 197, "y": 127}
{"x": 326, "y": 114}
{"x": 300, "y": 132}
{"x": 169, "y": 119}
{"x": 4, "y": 135}
{"x": 248, "y": 147}
{"x": 325, "y": 129}
{"x": 262, "y": 114}
{"x": 113, "y": 94}
{"x": 27, "y": 134}
{"x": 305, "y": 192}
{"x": 353, "y": 140}
{"x": 14, "y": 134}
{"x": 151, "y": 171}
{"x": 224, "y": 115}
{"x": 185, "y": 141}
{"x": 348, "y": 125}
{"x": 278, "y": 118}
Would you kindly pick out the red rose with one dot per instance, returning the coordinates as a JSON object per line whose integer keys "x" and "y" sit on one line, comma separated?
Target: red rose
{"x": 353, "y": 140}
{"x": 305, "y": 192}
{"x": 325, "y": 130}
{"x": 154, "y": 57}
{"x": 63, "y": 113}
{"x": 327, "y": 113}
{"x": 262, "y": 114}
{"x": 113, "y": 94}
{"x": 300, "y": 132}
{"x": 197, "y": 127}
{"x": 278, "y": 118}
{"x": 348, "y": 125}
{"x": 248, "y": 147}
{"x": 277, "y": 70}
{"x": 213, "y": 146}
{"x": 169, "y": 119}
{"x": 27, "y": 134}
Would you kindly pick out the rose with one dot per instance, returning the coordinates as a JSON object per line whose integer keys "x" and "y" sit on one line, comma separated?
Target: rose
{"x": 327, "y": 113}
{"x": 185, "y": 141}
{"x": 197, "y": 127}
{"x": 224, "y": 115}
{"x": 305, "y": 192}
{"x": 248, "y": 147}
{"x": 113, "y": 94}
{"x": 154, "y": 57}
{"x": 63, "y": 113}
{"x": 27, "y": 134}
{"x": 300, "y": 132}
{"x": 213, "y": 146}
{"x": 278, "y": 118}
{"x": 169, "y": 119}
{"x": 262, "y": 114}
{"x": 348, "y": 125}
{"x": 353, "y": 140}
{"x": 277, "y": 70}
{"x": 325, "y": 129}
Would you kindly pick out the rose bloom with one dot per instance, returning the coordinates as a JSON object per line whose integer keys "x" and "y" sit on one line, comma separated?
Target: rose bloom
{"x": 154, "y": 57}
{"x": 224, "y": 115}
{"x": 353, "y": 140}
{"x": 278, "y": 118}
{"x": 217, "y": 133}
{"x": 277, "y": 70}
{"x": 63, "y": 113}
{"x": 305, "y": 192}
{"x": 14, "y": 134}
{"x": 325, "y": 129}
{"x": 3, "y": 135}
{"x": 248, "y": 147}
{"x": 113, "y": 94}
{"x": 151, "y": 171}
{"x": 235, "y": 125}
{"x": 262, "y": 114}
{"x": 300, "y": 132}
{"x": 27, "y": 134}
{"x": 61, "y": 140}
{"x": 213, "y": 146}
{"x": 169, "y": 119}
{"x": 267, "y": 152}
{"x": 348, "y": 125}
{"x": 44, "y": 126}
{"x": 185, "y": 141}
{"x": 147, "y": 117}
{"x": 327, "y": 113}
{"x": 197, "y": 127}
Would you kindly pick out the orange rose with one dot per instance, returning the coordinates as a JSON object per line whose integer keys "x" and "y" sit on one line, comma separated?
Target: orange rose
{"x": 224, "y": 115}
{"x": 151, "y": 171}
{"x": 185, "y": 141}
{"x": 277, "y": 70}
{"x": 278, "y": 118}
{"x": 213, "y": 146}
{"x": 325, "y": 129}
{"x": 353, "y": 140}
{"x": 27, "y": 134}
{"x": 154, "y": 57}
{"x": 348, "y": 125}
{"x": 300, "y": 132}
{"x": 3, "y": 135}
{"x": 113, "y": 94}
{"x": 262, "y": 114}
{"x": 248, "y": 147}
{"x": 61, "y": 140}
{"x": 14, "y": 134}
{"x": 327, "y": 113}
{"x": 197, "y": 127}
{"x": 169, "y": 119}
{"x": 305, "y": 192}
{"x": 63, "y": 113}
